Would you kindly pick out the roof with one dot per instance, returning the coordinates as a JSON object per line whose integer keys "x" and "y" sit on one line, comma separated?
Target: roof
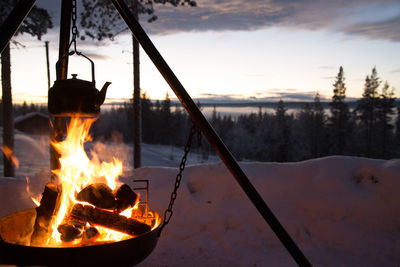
{"x": 30, "y": 115}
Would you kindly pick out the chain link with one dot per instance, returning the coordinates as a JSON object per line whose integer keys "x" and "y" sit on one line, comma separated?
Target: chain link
{"x": 74, "y": 29}
{"x": 168, "y": 212}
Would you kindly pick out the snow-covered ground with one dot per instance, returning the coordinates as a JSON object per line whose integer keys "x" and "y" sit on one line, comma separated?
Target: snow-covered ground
{"x": 32, "y": 152}
{"x": 341, "y": 211}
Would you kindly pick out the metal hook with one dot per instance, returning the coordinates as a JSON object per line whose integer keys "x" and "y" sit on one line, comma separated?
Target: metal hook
{"x": 70, "y": 53}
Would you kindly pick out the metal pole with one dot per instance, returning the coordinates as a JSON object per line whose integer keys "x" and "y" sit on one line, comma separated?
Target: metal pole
{"x": 210, "y": 133}
{"x": 13, "y": 21}
{"x": 48, "y": 63}
{"x": 61, "y": 74}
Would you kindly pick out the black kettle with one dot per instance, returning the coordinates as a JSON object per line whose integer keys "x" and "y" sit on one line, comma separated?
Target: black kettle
{"x": 76, "y": 97}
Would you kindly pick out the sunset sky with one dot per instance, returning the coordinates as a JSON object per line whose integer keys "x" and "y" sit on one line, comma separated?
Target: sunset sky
{"x": 241, "y": 49}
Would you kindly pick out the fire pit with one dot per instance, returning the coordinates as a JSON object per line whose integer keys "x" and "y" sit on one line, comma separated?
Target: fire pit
{"x": 86, "y": 217}
{"x": 122, "y": 253}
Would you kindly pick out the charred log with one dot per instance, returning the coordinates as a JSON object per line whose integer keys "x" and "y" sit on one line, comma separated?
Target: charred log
{"x": 98, "y": 194}
{"x": 48, "y": 206}
{"x": 69, "y": 231}
{"x": 125, "y": 197}
{"x": 90, "y": 235}
{"x": 108, "y": 219}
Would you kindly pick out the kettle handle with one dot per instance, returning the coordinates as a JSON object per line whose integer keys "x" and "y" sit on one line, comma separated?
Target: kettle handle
{"x": 58, "y": 64}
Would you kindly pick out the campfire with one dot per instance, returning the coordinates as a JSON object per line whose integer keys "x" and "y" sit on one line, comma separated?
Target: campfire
{"x": 85, "y": 206}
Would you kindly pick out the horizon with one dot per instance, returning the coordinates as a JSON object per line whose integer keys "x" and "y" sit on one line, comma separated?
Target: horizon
{"x": 211, "y": 101}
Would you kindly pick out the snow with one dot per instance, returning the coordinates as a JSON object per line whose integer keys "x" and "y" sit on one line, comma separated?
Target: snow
{"x": 341, "y": 211}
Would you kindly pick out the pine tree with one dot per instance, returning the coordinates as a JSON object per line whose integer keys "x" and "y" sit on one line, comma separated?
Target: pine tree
{"x": 385, "y": 137}
{"x": 367, "y": 108}
{"x": 339, "y": 120}
{"x": 304, "y": 132}
{"x": 318, "y": 133}
{"x": 397, "y": 142}
{"x": 310, "y": 131}
{"x": 166, "y": 105}
{"x": 264, "y": 136}
{"x": 166, "y": 131}
{"x": 214, "y": 116}
{"x": 281, "y": 134}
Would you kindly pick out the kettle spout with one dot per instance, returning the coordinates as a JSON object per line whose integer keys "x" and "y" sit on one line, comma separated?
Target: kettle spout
{"x": 101, "y": 96}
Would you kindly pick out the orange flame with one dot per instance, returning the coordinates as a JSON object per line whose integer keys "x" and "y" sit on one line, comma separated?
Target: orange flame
{"x": 35, "y": 199}
{"x": 77, "y": 171}
{"x": 10, "y": 155}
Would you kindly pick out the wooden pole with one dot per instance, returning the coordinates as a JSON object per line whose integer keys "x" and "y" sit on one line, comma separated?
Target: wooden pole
{"x": 61, "y": 72}
{"x": 8, "y": 118}
{"x": 48, "y": 63}
{"x": 137, "y": 108}
{"x": 7, "y": 30}
{"x": 13, "y": 21}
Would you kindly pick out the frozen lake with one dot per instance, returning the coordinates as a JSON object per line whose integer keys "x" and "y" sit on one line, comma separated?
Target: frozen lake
{"x": 236, "y": 110}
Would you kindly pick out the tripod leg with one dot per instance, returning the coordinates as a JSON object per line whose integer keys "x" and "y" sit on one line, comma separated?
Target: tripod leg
{"x": 13, "y": 21}
{"x": 210, "y": 133}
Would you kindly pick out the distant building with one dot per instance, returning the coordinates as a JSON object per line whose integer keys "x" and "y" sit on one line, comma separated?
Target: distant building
{"x": 33, "y": 123}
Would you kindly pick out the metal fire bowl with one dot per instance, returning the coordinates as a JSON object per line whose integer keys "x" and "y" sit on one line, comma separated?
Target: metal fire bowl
{"x": 123, "y": 253}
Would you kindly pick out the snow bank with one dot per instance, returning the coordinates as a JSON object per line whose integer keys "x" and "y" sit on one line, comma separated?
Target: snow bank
{"x": 341, "y": 211}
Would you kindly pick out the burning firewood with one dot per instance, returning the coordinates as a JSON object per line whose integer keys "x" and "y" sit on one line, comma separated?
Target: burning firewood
{"x": 90, "y": 235}
{"x": 44, "y": 213}
{"x": 108, "y": 219}
{"x": 98, "y": 194}
{"x": 125, "y": 197}
{"x": 69, "y": 231}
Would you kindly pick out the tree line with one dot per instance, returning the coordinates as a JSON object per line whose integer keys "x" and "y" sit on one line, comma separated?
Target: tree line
{"x": 371, "y": 129}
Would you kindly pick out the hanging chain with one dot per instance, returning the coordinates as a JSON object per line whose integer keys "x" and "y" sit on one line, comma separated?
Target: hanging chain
{"x": 168, "y": 212}
{"x": 74, "y": 29}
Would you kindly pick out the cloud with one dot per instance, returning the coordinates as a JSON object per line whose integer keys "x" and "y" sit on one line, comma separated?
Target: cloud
{"x": 272, "y": 95}
{"x": 214, "y": 15}
{"x": 290, "y": 95}
{"x": 373, "y": 19}
{"x": 395, "y": 71}
{"x": 388, "y": 29}
{"x": 350, "y": 17}
{"x": 221, "y": 97}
